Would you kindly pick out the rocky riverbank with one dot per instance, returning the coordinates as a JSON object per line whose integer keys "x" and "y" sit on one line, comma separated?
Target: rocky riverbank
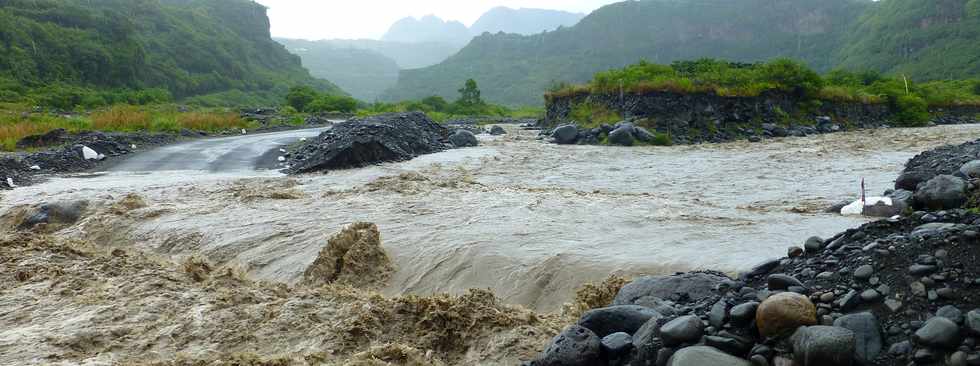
{"x": 60, "y": 152}
{"x": 675, "y": 118}
{"x": 900, "y": 291}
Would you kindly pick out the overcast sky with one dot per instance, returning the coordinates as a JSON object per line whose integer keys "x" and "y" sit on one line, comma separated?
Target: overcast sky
{"x": 325, "y": 19}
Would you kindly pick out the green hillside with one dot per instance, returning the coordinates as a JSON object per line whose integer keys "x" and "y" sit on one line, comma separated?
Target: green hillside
{"x": 936, "y": 39}
{"x": 93, "y": 52}
{"x": 516, "y": 69}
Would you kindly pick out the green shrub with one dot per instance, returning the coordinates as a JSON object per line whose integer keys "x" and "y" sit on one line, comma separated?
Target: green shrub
{"x": 912, "y": 111}
{"x": 590, "y": 115}
{"x": 661, "y": 139}
{"x": 437, "y": 103}
{"x": 332, "y": 103}
{"x": 300, "y": 97}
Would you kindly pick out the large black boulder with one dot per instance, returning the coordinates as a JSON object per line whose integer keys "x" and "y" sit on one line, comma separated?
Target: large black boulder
{"x": 941, "y": 193}
{"x": 646, "y": 291}
{"x": 565, "y": 135}
{"x": 867, "y": 335}
{"x": 371, "y": 140}
{"x": 463, "y": 138}
{"x": 622, "y": 136}
{"x": 575, "y": 345}
{"x": 823, "y": 346}
{"x": 614, "y": 319}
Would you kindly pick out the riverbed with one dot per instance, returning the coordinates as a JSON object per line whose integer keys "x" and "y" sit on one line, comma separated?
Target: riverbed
{"x": 529, "y": 220}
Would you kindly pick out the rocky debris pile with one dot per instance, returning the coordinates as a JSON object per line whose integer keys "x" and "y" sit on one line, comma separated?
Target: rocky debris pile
{"x": 959, "y": 160}
{"x": 891, "y": 292}
{"x": 352, "y": 257}
{"x": 476, "y": 126}
{"x": 901, "y": 291}
{"x": 622, "y": 134}
{"x": 953, "y": 119}
{"x": 64, "y": 152}
{"x": 365, "y": 141}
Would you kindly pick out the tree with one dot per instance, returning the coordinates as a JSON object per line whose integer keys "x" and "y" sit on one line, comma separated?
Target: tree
{"x": 333, "y": 103}
{"x": 469, "y": 95}
{"x": 300, "y": 97}
{"x": 437, "y": 103}
{"x": 973, "y": 8}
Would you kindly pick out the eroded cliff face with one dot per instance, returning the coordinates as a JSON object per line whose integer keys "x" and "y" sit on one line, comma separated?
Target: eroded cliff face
{"x": 694, "y": 118}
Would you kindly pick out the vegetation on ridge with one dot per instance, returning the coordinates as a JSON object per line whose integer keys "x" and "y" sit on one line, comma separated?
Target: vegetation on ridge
{"x": 728, "y": 79}
{"x": 90, "y": 53}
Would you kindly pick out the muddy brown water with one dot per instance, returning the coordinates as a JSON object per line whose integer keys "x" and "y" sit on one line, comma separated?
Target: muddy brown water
{"x": 530, "y": 221}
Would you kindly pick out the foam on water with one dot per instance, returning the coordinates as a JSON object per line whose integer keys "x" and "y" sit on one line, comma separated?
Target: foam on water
{"x": 530, "y": 221}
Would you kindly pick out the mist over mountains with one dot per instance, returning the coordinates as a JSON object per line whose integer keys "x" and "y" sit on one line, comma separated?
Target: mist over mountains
{"x": 912, "y": 37}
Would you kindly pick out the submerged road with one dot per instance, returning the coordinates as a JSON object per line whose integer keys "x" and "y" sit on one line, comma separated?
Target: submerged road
{"x": 223, "y": 154}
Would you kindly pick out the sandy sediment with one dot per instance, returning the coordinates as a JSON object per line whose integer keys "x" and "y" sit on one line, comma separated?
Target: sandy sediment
{"x": 77, "y": 302}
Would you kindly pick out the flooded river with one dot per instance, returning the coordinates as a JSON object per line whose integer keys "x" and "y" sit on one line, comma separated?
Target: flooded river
{"x": 529, "y": 220}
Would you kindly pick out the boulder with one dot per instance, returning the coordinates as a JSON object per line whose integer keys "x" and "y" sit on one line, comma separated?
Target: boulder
{"x": 971, "y": 169}
{"x": 497, "y": 131}
{"x": 782, "y": 282}
{"x": 58, "y": 213}
{"x": 703, "y": 356}
{"x": 910, "y": 180}
{"x": 648, "y": 291}
{"x": 814, "y": 244}
{"x": 89, "y": 154}
{"x": 941, "y": 193}
{"x": 463, "y": 138}
{"x": 938, "y": 332}
{"x": 372, "y": 140}
{"x": 685, "y": 329}
{"x": 782, "y": 313}
{"x": 622, "y": 136}
{"x": 50, "y": 138}
{"x": 575, "y": 346}
{"x": 643, "y": 135}
{"x": 901, "y": 197}
{"x": 615, "y": 319}
{"x": 867, "y": 335}
{"x": 823, "y": 346}
{"x": 616, "y": 346}
{"x": 565, "y": 135}
{"x": 972, "y": 321}
{"x": 744, "y": 314}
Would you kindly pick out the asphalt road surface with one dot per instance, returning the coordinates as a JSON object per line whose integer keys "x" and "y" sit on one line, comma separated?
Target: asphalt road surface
{"x": 223, "y": 154}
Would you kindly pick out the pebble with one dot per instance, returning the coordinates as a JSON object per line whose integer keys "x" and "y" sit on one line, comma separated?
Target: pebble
{"x": 864, "y": 272}
{"x": 950, "y": 312}
{"x": 972, "y": 321}
{"x": 946, "y": 293}
{"x": 870, "y": 296}
{"x": 744, "y": 314}
{"x": 922, "y": 269}
{"x": 780, "y": 281}
{"x": 794, "y": 252}
{"x": 813, "y": 245}
{"x": 827, "y": 297}
{"x": 685, "y": 329}
{"x": 918, "y": 289}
